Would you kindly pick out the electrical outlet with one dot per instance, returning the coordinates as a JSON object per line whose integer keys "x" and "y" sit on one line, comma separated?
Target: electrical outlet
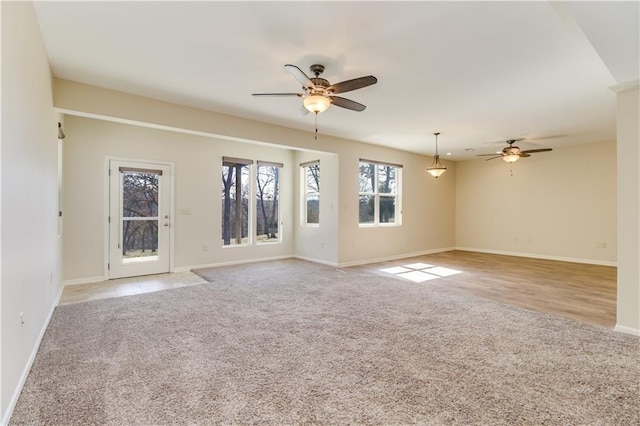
{"x": 21, "y": 318}
{"x": 205, "y": 247}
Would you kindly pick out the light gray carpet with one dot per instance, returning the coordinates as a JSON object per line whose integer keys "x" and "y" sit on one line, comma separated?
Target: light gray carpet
{"x": 290, "y": 342}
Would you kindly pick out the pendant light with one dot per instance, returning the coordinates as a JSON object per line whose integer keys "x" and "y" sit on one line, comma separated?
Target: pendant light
{"x": 436, "y": 169}
{"x": 316, "y": 103}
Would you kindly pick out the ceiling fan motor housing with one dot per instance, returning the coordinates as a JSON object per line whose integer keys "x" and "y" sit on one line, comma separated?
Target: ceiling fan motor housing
{"x": 320, "y": 82}
{"x": 316, "y": 69}
{"x": 512, "y": 150}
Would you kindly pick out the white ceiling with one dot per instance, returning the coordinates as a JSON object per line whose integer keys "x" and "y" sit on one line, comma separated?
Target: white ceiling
{"x": 479, "y": 73}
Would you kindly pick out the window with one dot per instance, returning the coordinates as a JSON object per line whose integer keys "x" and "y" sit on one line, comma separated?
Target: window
{"x": 379, "y": 193}
{"x": 267, "y": 202}
{"x": 235, "y": 201}
{"x": 310, "y": 193}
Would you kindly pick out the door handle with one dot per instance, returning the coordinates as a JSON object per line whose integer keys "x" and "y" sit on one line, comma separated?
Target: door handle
{"x": 166, "y": 224}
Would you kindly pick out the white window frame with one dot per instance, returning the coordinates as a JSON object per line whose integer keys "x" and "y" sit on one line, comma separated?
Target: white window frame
{"x": 304, "y": 193}
{"x": 377, "y": 195}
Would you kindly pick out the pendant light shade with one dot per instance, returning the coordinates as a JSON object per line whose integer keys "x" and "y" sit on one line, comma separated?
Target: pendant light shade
{"x": 316, "y": 103}
{"x": 512, "y": 155}
{"x": 436, "y": 169}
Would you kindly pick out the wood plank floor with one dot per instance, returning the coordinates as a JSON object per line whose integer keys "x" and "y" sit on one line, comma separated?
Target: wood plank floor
{"x": 573, "y": 290}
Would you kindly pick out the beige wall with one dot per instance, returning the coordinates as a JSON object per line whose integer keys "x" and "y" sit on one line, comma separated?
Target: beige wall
{"x": 318, "y": 243}
{"x": 30, "y": 279}
{"x": 628, "y": 130}
{"x": 428, "y": 205}
{"x": 428, "y": 209}
{"x": 557, "y": 204}
{"x": 197, "y": 170}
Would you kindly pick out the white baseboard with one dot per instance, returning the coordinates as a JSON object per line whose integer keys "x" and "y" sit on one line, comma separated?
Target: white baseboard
{"x": 233, "y": 262}
{"x": 86, "y": 280}
{"x": 627, "y": 330}
{"x": 25, "y": 372}
{"x": 314, "y": 260}
{"x": 394, "y": 257}
{"x": 540, "y": 256}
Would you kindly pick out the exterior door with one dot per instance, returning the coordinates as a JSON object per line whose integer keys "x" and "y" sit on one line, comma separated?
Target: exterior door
{"x": 139, "y": 222}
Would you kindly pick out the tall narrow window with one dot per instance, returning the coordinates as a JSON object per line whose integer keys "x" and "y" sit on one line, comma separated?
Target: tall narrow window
{"x": 268, "y": 202}
{"x": 235, "y": 201}
{"x": 379, "y": 191}
{"x": 310, "y": 192}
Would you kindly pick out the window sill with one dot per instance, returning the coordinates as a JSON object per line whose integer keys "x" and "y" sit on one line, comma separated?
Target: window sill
{"x": 379, "y": 225}
{"x": 234, "y": 246}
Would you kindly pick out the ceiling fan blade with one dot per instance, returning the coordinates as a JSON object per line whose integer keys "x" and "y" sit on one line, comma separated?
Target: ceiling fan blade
{"x": 493, "y": 158}
{"x": 299, "y": 75}
{"x": 346, "y": 103}
{"x": 303, "y": 111}
{"x": 277, "y": 94}
{"x": 523, "y": 154}
{"x": 529, "y": 151}
{"x": 349, "y": 85}
{"x": 486, "y": 155}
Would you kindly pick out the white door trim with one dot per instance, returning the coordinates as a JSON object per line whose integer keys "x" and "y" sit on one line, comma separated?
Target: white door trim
{"x": 106, "y": 201}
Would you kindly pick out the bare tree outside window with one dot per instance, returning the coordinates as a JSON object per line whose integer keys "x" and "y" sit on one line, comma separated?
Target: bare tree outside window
{"x": 267, "y": 203}
{"x": 139, "y": 214}
{"x": 235, "y": 202}
{"x": 378, "y": 193}
{"x": 311, "y": 187}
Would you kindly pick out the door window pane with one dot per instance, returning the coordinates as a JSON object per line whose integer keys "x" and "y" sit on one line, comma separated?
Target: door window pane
{"x": 139, "y": 194}
{"x": 139, "y": 216}
{"x": 139, "y": 240}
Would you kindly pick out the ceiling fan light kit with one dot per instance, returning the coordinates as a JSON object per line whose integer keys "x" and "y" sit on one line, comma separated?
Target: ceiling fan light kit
{"x": 318, "y": 94}
{"x": 436, "y": 169}
{"x": 511, "y": 158}
{"x": 316, "y": 103}
{"x": 511, "y": 153}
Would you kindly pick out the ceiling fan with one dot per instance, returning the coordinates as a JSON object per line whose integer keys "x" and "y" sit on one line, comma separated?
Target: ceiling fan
{"x": 511, "y": 153}
{"x": 318, "y": 94}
